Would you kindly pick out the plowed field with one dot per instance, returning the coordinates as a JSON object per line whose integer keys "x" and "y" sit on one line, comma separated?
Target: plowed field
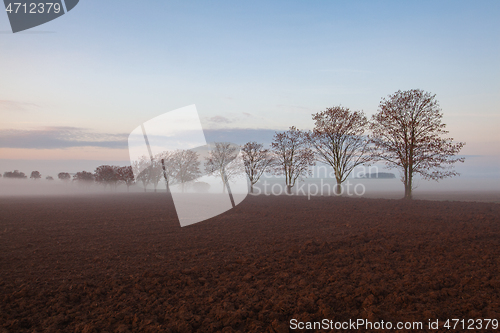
{"x": 122, "y": 263}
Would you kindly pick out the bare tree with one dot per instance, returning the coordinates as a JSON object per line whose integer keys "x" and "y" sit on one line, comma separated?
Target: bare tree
{"x": 339, "y": 140}
{"x": 155, "y": 171}
{"x": 407, "y": 134}
{"x": 142, "y": 170}
{"x": 221, "y": 162}
{"x": 257, "y": 160}
{"x": 185, "y": 166}
{"x": 152, "y": 169}
{"x": 294, "y": 157}
{"x": 167, "y": 163}
{"x": 35, "y": 175}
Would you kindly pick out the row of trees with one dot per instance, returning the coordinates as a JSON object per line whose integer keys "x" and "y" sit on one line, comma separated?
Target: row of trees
{"x": 182, "y": 167}
{"x": 105, "y": 174}
{"x": 16, "y": 174}
{"x": 406, "y": 133}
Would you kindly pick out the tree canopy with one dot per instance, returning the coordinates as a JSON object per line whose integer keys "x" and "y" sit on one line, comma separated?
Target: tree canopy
{"x": 339, "y": 140}
{"x": 407, "y": 133}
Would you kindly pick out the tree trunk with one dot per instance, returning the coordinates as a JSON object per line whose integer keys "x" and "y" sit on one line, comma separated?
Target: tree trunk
{"x": 338, "y": 188}
{"x": 251, "y": 188}
{"x": 407, "y": 192}
{"x": 408, "y": 188}
{"x": 289, "y": 189}
{"x": 223, "y": 183}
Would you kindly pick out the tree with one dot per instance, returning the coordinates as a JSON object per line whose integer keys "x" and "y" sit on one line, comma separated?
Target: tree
{"x": 49, "y": 178}
{"x": 339, "y": 140}
{"x": 149, "y": 170}
{"x": 257, "y": 160}
{"x": 222, "y": 163}
{"x": 84, "y": 177}
{"x": 107, "y": 175}
{"x": 64, "y": 176}
{"x": 15, "y": 174}
{"x": 155, "y": 171}
{"x": 126, "y": 175}
{"x": 294, "y": 157}
{"x": 185, "y": 166}
{"x": 167, "y": 163}
{"x": 35, "y": 175}
{"x": 407, "y": 132}
{"x": 142, "y": 170}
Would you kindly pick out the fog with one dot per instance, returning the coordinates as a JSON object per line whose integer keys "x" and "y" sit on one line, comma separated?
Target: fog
{"x": 479, "y": 179}
{"x": 30, "y": 187}
{"x": 475, "y": 189}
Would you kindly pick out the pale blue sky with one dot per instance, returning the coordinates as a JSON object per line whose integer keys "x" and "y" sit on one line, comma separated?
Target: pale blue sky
{"x": 107, "y": 66}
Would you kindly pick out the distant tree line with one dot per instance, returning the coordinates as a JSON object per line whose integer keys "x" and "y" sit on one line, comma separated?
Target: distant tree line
{"x": 107, "y": 175}
{"x": 14, "y": 174}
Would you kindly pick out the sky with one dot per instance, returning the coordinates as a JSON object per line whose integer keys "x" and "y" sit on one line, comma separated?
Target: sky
{"x": 74, "y": 88}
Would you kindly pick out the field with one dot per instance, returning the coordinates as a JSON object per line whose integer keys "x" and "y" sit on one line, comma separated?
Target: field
{"x": 122, "y": 263}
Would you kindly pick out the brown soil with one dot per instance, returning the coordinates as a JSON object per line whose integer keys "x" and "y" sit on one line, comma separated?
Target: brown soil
{"x": 122, "y": 263}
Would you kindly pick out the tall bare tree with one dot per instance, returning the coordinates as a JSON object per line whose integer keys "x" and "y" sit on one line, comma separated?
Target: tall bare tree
{"x": 407, "y": 134}
{"x": 293, "y": 154}
{"x": 339, "y": 140}
{"x": 150, "y": 170}
{"x": 142, "y": 170}
{"x": 186, "y": 166}
{"x": 167, "y": 163}
{"x": 221, "y": 162}
{"x": 155, "y": 171}
{"x": 257, "y": 160}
